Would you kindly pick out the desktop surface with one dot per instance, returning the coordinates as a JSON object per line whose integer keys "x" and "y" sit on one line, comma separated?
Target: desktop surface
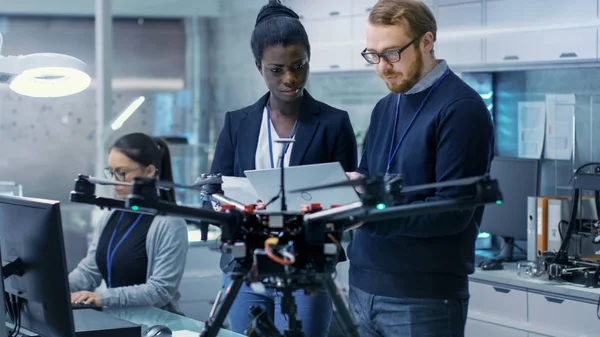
{"x": 147, "y": 317}
{"x": 91, "y": 323}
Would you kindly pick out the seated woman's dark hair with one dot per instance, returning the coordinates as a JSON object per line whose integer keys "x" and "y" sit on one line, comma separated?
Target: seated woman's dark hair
{"x": 147, "y": 151}
{"x": 277, "y": 25}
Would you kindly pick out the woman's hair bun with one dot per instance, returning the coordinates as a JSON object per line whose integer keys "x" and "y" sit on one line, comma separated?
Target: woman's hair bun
{"x": 272, "y": 9}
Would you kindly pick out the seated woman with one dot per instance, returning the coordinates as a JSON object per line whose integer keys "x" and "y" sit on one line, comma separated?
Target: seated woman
{"x": 140, "y": 257}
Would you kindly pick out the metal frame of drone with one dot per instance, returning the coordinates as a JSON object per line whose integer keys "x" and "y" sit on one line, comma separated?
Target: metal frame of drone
{"x": 378, "y": 194}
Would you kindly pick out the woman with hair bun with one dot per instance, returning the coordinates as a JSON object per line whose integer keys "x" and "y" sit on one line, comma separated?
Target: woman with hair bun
{"x": 247, "y": 142}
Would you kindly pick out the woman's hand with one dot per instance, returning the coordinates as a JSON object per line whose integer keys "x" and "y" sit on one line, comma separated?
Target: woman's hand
{"x": 86, "y": 297}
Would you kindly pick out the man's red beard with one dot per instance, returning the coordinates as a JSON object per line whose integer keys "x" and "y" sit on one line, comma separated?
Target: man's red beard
{"x": 402, "y": 83}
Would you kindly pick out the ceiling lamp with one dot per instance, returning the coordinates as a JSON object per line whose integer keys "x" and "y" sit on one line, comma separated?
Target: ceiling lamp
{"x": 43, "y": 74}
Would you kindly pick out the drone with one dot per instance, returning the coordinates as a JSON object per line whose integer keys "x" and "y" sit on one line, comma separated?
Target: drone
{"x": 282, "y": 249}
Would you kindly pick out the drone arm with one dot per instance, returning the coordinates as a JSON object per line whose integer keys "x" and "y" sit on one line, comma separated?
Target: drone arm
{"x": 189, "y": 213}
{"x": 223, "y": 200}
{"x": 487, "y": 192}
{"x": 450, "y": 218}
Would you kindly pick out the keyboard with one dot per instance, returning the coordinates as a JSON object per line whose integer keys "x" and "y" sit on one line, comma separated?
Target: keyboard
{"x": 76, "y": 306}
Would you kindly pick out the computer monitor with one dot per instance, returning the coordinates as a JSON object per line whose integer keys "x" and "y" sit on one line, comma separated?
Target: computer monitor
{"x": 3, "y": 332}
{"x": 32, "y": 246}
{"x": 517, "y": 179}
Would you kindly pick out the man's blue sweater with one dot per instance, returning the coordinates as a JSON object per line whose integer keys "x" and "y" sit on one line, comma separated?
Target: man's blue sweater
{"x": 452, "y": 137}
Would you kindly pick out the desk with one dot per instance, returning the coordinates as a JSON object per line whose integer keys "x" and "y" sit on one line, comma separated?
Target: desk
{"x": 507, "y": 305}
{"x": 149, "y": 316}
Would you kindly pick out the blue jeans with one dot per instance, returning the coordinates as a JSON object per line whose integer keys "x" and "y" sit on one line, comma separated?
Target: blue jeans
{"x": 380, "y": 316}
{"x": 314, "y": 312}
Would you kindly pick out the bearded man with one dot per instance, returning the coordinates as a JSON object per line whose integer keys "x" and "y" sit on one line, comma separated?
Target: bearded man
{"x": 409, "y": 276}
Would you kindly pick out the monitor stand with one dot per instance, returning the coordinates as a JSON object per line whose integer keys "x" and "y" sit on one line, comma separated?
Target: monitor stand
{"x": 507, "y": 252}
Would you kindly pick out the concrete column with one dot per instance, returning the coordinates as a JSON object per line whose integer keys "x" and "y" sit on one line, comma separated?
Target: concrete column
{"x": 197, "y": 81}
{"x": 103, "y": 35}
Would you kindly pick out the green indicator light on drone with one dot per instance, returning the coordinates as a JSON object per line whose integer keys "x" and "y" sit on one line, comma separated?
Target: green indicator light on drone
{"x": 380, "y": 206}
{"x": 134, "y": 208}
{"x": 498, "y": 202}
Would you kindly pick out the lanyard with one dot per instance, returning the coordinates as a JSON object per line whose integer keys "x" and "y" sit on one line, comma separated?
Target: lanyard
{"x": 109, "y": 255}
{"x": 285, "y": 148}
{"x": 391, "y": 154}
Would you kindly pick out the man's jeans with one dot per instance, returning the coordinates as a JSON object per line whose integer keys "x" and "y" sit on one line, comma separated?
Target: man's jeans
{"x": 378, "y": 316}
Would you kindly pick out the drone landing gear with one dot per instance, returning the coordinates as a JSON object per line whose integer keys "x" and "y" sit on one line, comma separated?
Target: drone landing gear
{"x": 262, "y": 325}
{"x": 347, "y": 323}
{"x": 212, "y": 326}
{"x": 288, "y": 307}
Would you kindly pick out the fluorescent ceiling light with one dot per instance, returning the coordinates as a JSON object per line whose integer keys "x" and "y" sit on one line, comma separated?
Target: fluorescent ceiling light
{"x": 124, "y": 116}
{"x": 145, "y": 83}
{"x": 43, "y": 74}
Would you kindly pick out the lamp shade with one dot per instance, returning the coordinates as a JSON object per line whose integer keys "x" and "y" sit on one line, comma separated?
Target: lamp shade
{"x": 46, "y": 74}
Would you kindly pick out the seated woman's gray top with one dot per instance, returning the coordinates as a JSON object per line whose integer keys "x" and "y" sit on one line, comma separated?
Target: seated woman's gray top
{"x": 167, "y": 247}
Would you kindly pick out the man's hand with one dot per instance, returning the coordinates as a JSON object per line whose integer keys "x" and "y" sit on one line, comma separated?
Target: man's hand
{"x": 86, "y": 297}
{"x": 355, "y": 176}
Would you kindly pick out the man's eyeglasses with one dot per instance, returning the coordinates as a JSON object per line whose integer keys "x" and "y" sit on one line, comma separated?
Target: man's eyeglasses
{"x": 119, "y": 174}
{"x": 390, "y": 56}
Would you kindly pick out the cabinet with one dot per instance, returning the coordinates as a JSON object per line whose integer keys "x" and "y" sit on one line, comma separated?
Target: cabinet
{"x": 563, "y": 315}
{"x": 497, "y": 309}
{"x": 359, "y": 27}
{"x": 360, "y": 7}
{"x": 332, "y": 57}
{"x": 454, "y": 2}
{"x": 554, "y": 45}
{"x": 358, "y": 62}
{"x": 475, "y": 328}
{"x": 336, "y": 30}
{"x": 496, "y": 33}
{"x": 319, "y": 9}
{"x": 457, "y": 49}
{"x": 519, "y": 13}
{"x": 330, "y": 43}
{"x": 492, "y": 300}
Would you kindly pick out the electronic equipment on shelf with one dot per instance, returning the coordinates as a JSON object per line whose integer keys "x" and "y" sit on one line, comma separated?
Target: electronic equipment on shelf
{"x": 562, "y": 265}
{"x": 281, "y": 249}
